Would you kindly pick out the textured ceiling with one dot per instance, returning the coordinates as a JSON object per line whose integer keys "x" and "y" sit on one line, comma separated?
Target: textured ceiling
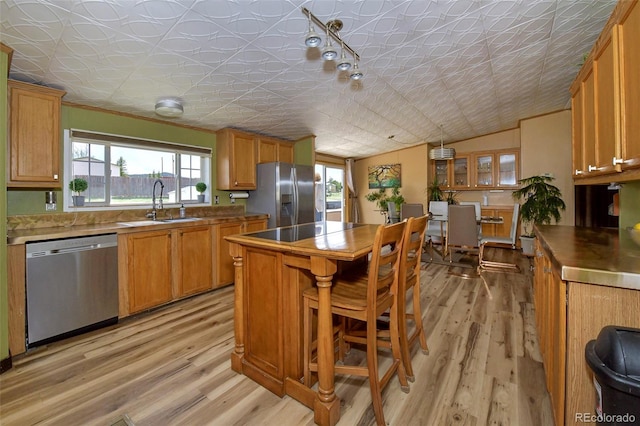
{"x": 474, "y": 66}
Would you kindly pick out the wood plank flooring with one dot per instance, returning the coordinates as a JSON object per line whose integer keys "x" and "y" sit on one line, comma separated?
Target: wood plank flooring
{"x": 171, "y": 366}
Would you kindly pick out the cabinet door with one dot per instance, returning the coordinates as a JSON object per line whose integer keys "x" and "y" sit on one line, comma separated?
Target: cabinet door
{"x": 484, "y": 170}
{"x": 244, "y": 163}
{"x": 461, "y": 172}
{"x": 267, "y": 150}
{"x": 195, "y": 263}
{"x": 503, "y": 229}
{"x": 442, "y": 172}
{"x": 225, "y": 273}
{"x": 606, "y": 107}
{"x": 576, "y": 134}
{"x": 34, "y": 143}
{"x": 149, "y": 269}
{"x": 629, "y": 42}
{"x": 588, "y": 123}
{"x": 507, "y": 169}
{"x": 285, "y": 152}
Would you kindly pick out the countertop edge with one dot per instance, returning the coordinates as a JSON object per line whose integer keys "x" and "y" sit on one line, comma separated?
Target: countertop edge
{"x": 22, "y": 236}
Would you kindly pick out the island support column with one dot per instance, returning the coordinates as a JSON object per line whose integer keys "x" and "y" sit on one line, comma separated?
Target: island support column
{"x": 238, "y": 308}
{"x": 326, "y": 407}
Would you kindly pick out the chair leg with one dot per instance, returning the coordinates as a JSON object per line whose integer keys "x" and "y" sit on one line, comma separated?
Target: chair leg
{"x": 417, "y": 318}
{"x": 403, "y": 337}
{"x": 372, "y": 366}
{"x": 395, "y": 349}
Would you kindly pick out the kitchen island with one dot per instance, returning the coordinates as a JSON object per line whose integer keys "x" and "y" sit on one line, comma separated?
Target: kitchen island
{"x": 273, "y": 268}
{"x": 584, "y": 279}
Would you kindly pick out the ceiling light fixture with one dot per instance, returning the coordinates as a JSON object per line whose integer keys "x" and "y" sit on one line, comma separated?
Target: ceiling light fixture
{"x": 442, "y": 153}
{"x": 329, "y": 52}
{"x": 169, "y": 108}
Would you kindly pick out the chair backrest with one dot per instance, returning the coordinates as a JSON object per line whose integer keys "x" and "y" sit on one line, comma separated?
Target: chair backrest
{"x": 475, "y": 204}
{"x": 411, "y": 253}
{"x": 514, "y": 223}
{"x": 385, "y": 264}
{"x": 462, "y": 226}
{"x": 439, "y": 208}
{"x": 408, "y": 210}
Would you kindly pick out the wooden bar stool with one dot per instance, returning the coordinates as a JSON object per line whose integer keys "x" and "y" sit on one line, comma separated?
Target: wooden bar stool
{"x": 365, "y": 301}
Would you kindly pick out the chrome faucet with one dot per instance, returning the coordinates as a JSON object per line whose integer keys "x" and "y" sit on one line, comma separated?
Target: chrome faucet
{"x": 152, "y": 214}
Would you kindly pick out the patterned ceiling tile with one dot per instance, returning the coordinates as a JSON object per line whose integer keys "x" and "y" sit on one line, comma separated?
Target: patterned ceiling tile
{"x": 473, "y": 66}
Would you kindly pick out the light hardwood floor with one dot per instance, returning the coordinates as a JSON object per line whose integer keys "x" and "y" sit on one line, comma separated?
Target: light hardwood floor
{"x": 171, "y": 367}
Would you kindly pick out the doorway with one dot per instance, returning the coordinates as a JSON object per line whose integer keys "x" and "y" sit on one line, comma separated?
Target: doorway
{"x": 329, "y": 184}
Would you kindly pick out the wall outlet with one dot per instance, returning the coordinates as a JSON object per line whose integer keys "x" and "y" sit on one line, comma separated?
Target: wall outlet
{"x": 216, "y": 200}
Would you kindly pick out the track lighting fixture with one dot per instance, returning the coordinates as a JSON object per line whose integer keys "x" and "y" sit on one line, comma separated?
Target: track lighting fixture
{"x": 329, "y": 52}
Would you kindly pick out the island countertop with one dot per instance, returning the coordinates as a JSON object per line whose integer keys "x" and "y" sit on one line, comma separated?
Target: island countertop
{"x": 592, "y": 255}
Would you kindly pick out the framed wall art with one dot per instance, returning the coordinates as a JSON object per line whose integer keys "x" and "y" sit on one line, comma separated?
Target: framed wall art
{"x": 385, "y": 176}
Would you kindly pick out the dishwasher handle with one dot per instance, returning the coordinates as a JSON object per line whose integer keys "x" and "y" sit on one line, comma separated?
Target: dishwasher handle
{"x": 55, "y": 251}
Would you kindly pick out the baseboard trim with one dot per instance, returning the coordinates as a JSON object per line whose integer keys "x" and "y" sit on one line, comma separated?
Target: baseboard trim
{"x": 6, "y": 364}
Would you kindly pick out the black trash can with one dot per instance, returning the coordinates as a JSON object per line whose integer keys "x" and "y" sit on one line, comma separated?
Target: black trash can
{"x": 614, "y": 358}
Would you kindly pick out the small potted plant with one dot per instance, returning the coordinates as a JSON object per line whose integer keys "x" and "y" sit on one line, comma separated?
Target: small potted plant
{"x": 388, "y": 204}
{"x": 394, "y": 202}
{"x": 78, "y": 185}
{"x": 542, "y": 205}
{"x": 201, "y": 187}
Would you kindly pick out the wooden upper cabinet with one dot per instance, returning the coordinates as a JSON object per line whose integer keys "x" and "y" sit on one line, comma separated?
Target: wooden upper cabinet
{"x": 576, "y": 133}
{"x": 442, "y": 168}
{"x": 480, "y": 170}
{"x": 483, "y": 170}
{"x": 270, "y": 150}
{"x": 629, "y": 55}
{"x": 460, "y": 172}
{"x": 606, "y": 106}
{"x": 236, "y": 160}
{"x": 34, "y": 136}
{"x": 588, "y": 123}
{"x": 507, "y": 169}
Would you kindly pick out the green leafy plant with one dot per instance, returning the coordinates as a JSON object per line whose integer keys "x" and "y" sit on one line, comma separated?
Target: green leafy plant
{"x": 450, "y": 197}
{"x": 201, "y": 187}
{"x": 382, "y": 199}
{"x": 78, "y": 185}
{"x": 542, "y": 201}
{"x": 434, "y": 192}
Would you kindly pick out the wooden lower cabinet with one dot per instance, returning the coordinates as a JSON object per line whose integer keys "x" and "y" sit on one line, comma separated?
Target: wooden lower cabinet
{"x": 569, "y": 315}
{"x": 225, "y": 272}
{"x": 497, "y": 229}
{"x": 194, "y": 260}
{"x": 148, "y": 269}
{"x": 16, "y": 292}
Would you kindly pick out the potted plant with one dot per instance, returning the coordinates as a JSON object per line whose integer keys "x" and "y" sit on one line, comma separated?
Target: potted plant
{"x": 78, "y": 185}
{"x": 201, "y": 187}
{"x": 388, "y": 204}
{"x": 542, "y": 205}
{"x": 433, "y": 190}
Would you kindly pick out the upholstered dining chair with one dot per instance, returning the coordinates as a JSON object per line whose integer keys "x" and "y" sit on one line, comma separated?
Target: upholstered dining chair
{"x": 408, "y": 210}
{"x": 510, "y": 240}
{"x": 436, "y": 232}
{"x": 462, "y": 230}
{"x": 462, "y": 235}
{"x": 365, "y": 302}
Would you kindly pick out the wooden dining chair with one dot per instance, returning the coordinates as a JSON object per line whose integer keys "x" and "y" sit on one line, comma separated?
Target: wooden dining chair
{"x": 365, "y": 301}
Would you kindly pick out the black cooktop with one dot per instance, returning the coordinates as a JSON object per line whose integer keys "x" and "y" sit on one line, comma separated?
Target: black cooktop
{"x": 302, "y": 232}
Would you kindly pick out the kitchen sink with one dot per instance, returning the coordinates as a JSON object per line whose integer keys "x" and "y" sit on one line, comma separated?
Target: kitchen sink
{"x": 180, "y": 219}
{"x": 159, "y": 221}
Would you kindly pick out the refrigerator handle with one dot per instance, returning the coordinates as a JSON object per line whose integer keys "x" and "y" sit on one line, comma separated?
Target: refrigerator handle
{"x": 294, "y": 180}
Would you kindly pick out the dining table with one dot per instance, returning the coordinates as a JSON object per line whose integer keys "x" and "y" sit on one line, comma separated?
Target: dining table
{"x": 272, "y": 269}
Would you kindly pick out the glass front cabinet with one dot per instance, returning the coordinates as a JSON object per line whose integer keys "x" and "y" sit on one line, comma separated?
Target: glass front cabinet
{"x": 480, "y": 170}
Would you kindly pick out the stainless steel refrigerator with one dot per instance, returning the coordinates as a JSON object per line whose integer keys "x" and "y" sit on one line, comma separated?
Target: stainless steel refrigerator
{"x": 285, "y": 192}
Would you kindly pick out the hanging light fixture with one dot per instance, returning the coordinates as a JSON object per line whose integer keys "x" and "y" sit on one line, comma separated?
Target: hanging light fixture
{"x": 442, "y": 153}
{"x": 329, "y": 52}
{"x": 343, "y": 63}
{"x": 312, "y": 39}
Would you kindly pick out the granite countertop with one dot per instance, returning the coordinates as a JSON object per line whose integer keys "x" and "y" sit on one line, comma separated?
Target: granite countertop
{"x": 592, "y": 255}
{"x": 21, "y": 236}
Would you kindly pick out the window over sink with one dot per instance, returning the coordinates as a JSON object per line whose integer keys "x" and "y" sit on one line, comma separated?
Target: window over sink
{"x": 121, "y": 171}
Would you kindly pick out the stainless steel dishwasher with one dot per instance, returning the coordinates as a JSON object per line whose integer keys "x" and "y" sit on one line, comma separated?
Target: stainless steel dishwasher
{"x": 72, "y": 286}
